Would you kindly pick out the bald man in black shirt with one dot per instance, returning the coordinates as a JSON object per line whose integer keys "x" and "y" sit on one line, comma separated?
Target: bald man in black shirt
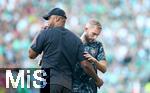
{"x": 61, "y": 51}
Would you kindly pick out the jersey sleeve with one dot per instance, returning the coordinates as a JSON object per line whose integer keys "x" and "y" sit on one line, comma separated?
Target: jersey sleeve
{"x": 101, "y": 53}
{"x": 80, "y": 53}
{"x": 38, "y": 45}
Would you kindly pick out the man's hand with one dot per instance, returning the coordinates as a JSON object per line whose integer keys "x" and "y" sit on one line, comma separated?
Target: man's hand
{"x": 99, "y": 82}
{"x": 89, "y": 57}
{"x": 100, "y": 65}
{"x": 45, "y": 25}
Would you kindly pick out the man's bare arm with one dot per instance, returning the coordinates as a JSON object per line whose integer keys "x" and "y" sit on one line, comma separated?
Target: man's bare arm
{"x": 88, "y": 68}
{"x": 32, "y": 54}
{"x": 100, "y": 65}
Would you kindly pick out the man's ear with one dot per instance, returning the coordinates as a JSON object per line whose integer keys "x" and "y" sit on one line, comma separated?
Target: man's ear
{"x": 57, "y": 19}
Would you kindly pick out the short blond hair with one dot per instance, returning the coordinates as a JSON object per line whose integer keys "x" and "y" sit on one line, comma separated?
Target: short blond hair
{"x": 94, "y": 23}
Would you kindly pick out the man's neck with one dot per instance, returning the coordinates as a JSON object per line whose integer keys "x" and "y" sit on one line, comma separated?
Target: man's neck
{"x": 83, "y": 38}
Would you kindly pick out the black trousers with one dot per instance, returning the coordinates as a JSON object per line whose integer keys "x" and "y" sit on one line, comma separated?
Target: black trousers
{"x": 53, "y": 88}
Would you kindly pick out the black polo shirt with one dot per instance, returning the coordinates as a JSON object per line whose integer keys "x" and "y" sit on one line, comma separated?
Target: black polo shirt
{"x": 61, "y": 51}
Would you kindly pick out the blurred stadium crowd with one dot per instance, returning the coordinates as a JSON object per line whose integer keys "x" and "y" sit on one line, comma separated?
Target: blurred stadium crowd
{"x": 125, "y": 36}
